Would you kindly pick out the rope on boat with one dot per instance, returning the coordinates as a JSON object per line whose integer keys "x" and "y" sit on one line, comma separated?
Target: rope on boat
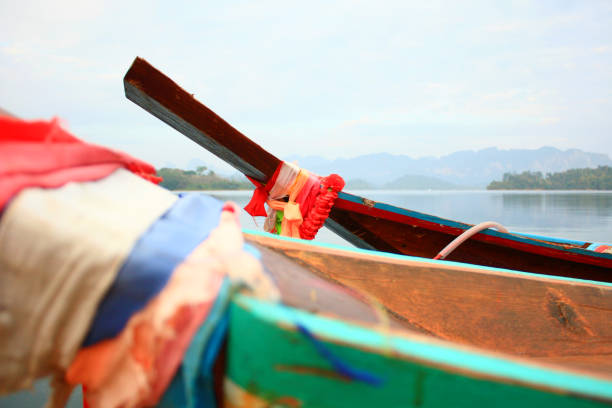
{"x": 340, "y": 366}
{"x": 468, "y": 234}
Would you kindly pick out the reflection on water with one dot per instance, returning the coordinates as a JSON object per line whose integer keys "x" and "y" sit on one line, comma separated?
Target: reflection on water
{"x": 579, "y": 215}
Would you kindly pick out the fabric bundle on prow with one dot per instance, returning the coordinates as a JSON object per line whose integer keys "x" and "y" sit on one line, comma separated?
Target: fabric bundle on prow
{"x": 124, "y": 269}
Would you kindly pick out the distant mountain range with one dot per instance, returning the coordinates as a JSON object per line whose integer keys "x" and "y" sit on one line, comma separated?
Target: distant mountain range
{"x": 463, "y": 169}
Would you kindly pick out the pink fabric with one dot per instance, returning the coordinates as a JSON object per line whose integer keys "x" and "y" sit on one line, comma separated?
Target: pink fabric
{"x": 43, "y": 154}
{"x": 186, "y": 322}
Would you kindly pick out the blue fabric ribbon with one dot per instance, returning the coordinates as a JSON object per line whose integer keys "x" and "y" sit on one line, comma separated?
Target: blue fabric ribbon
{"x": 152, "y": 260}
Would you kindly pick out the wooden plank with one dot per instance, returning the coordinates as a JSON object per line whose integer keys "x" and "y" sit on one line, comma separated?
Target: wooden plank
{"x": 271, "y": 363}
{"x": 503, "y": 311}
{"x": 159, "y": 95}
{"x": 301, "y": 288}
{"x": 6, "y": 113}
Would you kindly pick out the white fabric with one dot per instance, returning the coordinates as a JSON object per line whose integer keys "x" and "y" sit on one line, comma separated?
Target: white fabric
{"x": 60, "y": 250}
{"x": 286, "y": 176}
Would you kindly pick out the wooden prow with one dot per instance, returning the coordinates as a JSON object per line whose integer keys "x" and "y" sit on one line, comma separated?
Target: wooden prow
{"x": 360, "y": 221}
{"x": 548, "y": 319}
{"x": 159, "y": 95}
{"x": 6, "y": 114}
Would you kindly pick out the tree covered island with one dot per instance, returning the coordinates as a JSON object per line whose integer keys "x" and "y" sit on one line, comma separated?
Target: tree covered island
{"x": 200, "y": 179}
{"x": 573, "y": 179}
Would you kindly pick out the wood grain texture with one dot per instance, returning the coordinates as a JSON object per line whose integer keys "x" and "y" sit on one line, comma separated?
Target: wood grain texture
{"x": 302, "y": 289}
{"x": 559, "y": 321}
{"x": 159, "y": 95}
{"x": 270, "y": 363}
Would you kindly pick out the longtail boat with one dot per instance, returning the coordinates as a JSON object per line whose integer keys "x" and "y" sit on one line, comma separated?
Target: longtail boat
{"x": 109, "y": 280}
{"x": 363, "y": 222}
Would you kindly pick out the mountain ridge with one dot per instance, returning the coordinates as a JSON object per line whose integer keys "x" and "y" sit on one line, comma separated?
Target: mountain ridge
{"x": 464, "y": 169}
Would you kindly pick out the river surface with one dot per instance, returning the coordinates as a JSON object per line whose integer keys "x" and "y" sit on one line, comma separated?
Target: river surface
{"x": 577, "y": 215}
{"x": 584, "y": 216}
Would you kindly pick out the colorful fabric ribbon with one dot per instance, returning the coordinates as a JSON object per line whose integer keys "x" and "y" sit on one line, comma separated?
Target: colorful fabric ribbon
{"x": 192, "y": 386}
{"x": 135, "y": 367}
{"x": 60, "y": 249}
{"x": 152, "y": 260}
{"x": 292, "y": 216}
{"x": 308, "y": 201}
{"x": 43, "y": 154}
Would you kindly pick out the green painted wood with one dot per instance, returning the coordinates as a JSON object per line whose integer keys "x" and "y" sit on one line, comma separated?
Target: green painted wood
{"x": 268, "y": 358}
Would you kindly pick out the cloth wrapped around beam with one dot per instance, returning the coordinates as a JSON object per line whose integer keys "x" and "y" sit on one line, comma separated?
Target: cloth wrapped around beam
{"x": 60, "y": 250}
{"x": 134, "y": 368}
{"x": 88, "y": 248}
{"x": 153, "y": 259}
{"x": 299, "y": 201}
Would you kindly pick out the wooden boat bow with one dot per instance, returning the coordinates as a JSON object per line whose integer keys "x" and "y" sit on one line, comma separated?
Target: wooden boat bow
{"x": 163, "y": 98}
{"x": 362, "y": 222}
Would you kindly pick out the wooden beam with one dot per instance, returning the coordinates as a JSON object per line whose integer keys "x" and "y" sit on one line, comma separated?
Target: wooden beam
{"x": 553, "y": 320}
{"x": 159, "y": 95}
{"x": 6, "y": 114}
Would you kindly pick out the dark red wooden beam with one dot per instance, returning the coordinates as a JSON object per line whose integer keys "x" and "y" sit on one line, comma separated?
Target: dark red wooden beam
{"x": 6, "y": 114}
{"x": 159, "y": 95}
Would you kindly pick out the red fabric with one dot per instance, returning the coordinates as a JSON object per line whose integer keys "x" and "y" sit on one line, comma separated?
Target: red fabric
{"x": 185, "y": 322}
{"x": 256, "y": 207}
{"x": 602, "y": 248}
{"x": 85, "y": 403}
{"x": 43, "y": 154}
{"x": 306, "y": 198}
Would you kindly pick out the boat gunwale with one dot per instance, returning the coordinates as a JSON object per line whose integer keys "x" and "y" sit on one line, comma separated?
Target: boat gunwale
{"x": 540, "y": 245}
{"x": 464, "y": 360}
{"x": 374, "y": 255}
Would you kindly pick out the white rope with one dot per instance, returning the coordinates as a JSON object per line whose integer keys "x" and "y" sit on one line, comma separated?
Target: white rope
{"x": 466, "y": 235}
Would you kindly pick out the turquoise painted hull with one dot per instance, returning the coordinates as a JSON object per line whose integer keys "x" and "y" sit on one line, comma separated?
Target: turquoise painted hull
{"x": 272, "y": 363}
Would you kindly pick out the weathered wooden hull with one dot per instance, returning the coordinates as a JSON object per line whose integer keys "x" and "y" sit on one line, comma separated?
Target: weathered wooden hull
{"x": 362, "y": 222}
{"x": 425, "y": 333}
{"x": 557, "y": 320}
{"x": 272, "y": 362}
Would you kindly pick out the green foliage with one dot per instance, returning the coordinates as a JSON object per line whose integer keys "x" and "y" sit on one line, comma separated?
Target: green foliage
{"x": 177, "y": 179}
{"x": 573, "y": 179}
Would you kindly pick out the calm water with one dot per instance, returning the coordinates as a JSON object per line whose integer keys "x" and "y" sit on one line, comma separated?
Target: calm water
{"x": 585, "y": 216}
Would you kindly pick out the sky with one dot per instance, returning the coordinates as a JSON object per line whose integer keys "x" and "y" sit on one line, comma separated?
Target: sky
{"x": 329, "y": 78}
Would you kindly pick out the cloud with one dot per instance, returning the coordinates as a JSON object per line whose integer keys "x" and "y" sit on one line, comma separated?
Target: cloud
{"x": 604, "y": 49}
{"x": 360, "y": 74}
{"x": 504, "y": 27}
